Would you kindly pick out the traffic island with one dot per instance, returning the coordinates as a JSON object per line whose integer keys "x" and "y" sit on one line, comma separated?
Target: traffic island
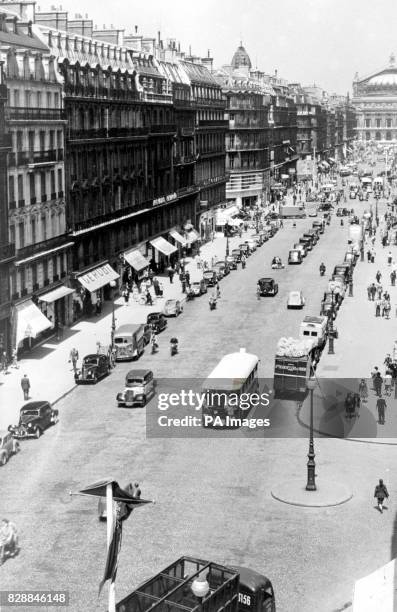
{"x": 328, "y": 493}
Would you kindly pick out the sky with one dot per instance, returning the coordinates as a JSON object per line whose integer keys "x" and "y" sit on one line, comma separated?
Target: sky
{"x": 307, "y": 41}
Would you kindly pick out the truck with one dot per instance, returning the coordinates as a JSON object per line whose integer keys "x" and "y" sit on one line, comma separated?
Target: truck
{"x": 290, "y": 212}
{"x": 195, "y": 585}
{"x": 129, "y": 341}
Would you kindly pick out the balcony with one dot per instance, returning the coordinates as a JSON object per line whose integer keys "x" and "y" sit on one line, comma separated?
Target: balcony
{"x": 35, "y": 114}
{"x": 99, "y": 91}
{"x": 7, "y": 252}
{"x": 214, "y": 153}
{"x": 178, "y": 103}
{"x": 35, "y": 158}
{"x": 103, "y": 133}
{"x": 183, "y": 160}
{"x": 220, "y": 103}
{"x": 218, "y": 123}
{"x": 213, "y": 180}
{"x": 163, "y": 128}
{"x": 156, "y": 97}
{"x": 41, "y": 247}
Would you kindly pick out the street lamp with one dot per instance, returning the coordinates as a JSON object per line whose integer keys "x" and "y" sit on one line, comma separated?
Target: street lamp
{"x": 311, "y": 464}
{"x": 332, "y": 287}
{"x": 113, "y": 328}
{"x": 200, "y": 588}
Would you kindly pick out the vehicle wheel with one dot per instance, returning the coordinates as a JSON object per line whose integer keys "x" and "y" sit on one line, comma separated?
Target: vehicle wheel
{"x": 3, "y": 459}
{"x": 37, "y": 433}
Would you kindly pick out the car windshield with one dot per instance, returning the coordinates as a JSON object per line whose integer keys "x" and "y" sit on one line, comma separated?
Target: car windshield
{"x": 91, "y": 361}
{"x": 30, "y": 412}
{"x": 267, "y": 284}
{"x": 170, "y": 303}
{"x": 134, "y": 381}
{"x": 152, "y": 317}
{"x": 208, "y": 274}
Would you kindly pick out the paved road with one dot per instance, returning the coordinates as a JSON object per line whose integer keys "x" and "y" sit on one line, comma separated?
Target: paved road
{"x": 213, "y": 496}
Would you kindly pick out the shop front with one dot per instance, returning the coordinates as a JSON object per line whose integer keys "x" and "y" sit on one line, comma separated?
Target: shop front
{"x": 136, "y": 267}
{"x": 29, "y": 325}
{"x": 57, "y": 305}
{"x": 207, "y": 225}
{"x": 193, "y": 240}
{"x": 163, "y": 252}
{"x": 180, "y": 242}
{"x": 94, "y": 289}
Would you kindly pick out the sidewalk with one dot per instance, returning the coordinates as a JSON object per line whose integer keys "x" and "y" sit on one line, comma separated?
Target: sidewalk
{"x": 363, "y": 343}
{"x": 50, "y": 374}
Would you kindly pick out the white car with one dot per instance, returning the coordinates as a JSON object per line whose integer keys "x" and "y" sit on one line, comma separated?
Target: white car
{"x": 295, "y": 299}
{"x": 313, "y": 212}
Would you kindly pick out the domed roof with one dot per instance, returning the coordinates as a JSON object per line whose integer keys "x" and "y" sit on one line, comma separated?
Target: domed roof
{"x": 241, "y": 58}
{"x": 386, "y": 79}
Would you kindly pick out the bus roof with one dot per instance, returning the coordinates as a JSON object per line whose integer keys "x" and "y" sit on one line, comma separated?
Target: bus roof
{"x": 128, "y": 328}
{"x": 233, "y": 366}
{"x": 252, "y": 580}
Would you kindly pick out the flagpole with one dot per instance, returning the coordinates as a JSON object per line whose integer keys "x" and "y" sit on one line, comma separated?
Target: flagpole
{"x": 109, "y": 532}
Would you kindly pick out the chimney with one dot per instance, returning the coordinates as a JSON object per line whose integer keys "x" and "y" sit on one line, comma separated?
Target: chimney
{"x": 159, "y": 37}
{"x": 136, "y": 29}
{"x": 275, "y": 73}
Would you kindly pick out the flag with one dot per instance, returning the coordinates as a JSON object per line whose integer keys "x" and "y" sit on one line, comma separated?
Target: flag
{"x": 98, "y": 489}
{"x": 114, "y": 548}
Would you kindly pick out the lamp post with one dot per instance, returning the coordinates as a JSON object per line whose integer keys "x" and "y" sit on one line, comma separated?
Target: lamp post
{"x": 332, "y": 287}
{"x": 311, "y": 464}
{"x": 113, "y": 328}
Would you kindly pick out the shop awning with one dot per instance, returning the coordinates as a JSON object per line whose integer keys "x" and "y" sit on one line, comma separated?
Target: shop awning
{"x": 56, "y": 294}
{"x": 98, "y": 277}
{"x": 193, "y": 236}
{"x": 162, "y": 245}
{"x": 177, "y": 236}
{"x": 30, "y": 321}
{"x": 136, "y": 260}
{"x": 325, "y": 164}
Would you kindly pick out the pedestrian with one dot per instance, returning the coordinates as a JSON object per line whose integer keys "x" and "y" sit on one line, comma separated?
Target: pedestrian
{"x": 149, "y": 300}
{"x": 171, "y": 273}
{"x": 388, "y": 382}
{"x": 363, "y": 390}
{"x": 98, "y": 307}
{"x": 14, "y": 363}
{"x": 373, "y": 291}
{"x": 4, "y": 362}
{"x": 373, "y": 254}
{"x": 187, "y": 278}
{"x": 136, "y": 491}
{"x": 379, "y": 290}
{"x": 387, "y": 309}
{"x": 378, "y": 304}
{"x": 218, "y": 291}
{"x": 258, "y": 291}
{"x": 369, "y": 256}
{"x": 378, "y": 276}
{"x": 25, "y": 384}
{"x": 151, "y": 276}
{"x": 369, "y": 292}
{"x": 393, "y": 278}
{"x": 378, "y": 380}
{"x": 161, "y": 290}
{"x": 380, "y": 494}
{"x": 73, "y": 359}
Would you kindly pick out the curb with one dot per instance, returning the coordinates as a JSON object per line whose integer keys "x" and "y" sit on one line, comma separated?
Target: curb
{"x": 65, "y": 394}
{"x": 296, "y": 497}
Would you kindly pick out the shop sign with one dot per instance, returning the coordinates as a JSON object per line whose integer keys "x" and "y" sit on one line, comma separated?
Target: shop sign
{"x": 159, "y": 201}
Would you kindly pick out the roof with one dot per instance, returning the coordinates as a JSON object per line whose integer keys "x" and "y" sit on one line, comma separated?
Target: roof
{"x": 250, "y": 579}
{"x": 266, "y": 280}
{"x": 137, "y": 373}
{"x": 241, "y": 58}
{"x": 22, "y": 39}
{"x": 34, "y": 405}
{"x": 92, "y": 355}
{"x": 198, "y": 73}
{"x": 234, "y": 366}
{"x": 313, "y": 319}
{"x": 128, "y": 327}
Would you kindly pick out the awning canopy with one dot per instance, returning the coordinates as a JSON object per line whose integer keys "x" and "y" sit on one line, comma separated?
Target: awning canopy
{"x": 56, "y": 294}
{"x": 193, "y": 236}
{"x": 98, "y": 277}
{"x": 325, "y": 164}
{"x": 30, "y": 321}
{"x": 177, "y": 236}
{"x": 162, "y": 245}
{"x": 136, "y": 260}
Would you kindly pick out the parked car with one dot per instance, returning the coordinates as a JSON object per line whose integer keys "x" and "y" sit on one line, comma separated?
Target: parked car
{"x": 8, "y": 446}
{"x": 157, "y": 320}
{"x": 295, "y": 257}
{"x": 236, "y": 253}
{"x": 34, "y": 418}
{"x": 342, "y": 270}
{"x": 301, "y": 248}
{"x": 224, "y": 266}
{"x": 350, "y": 258}
{"x": 319, "y": 225}
{"x": 147, "y": 333}
{"x": 268, "y": 286}
{"x": 258, "y": 239}
{"x": 252, "y": 244}
{"x": 199, "y": 287}
{"x": 139, "y": 388}
{"x": 210, "y": 277}
{"x": 313, "y": 212}
{"x": 231, "y": 262}
{"x": 308, "y": 242}
{"x": 172, "y": 308}
{"x": 93, "y": 368}
{"x": 295, "y": 299}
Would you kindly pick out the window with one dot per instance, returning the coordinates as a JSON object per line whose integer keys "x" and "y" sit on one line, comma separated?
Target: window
{"x": 31, "y": 140}
{"x": 388, "y": 124}
{"x": 28, "y": 98}
{"x": 20, "y": 190}
{"x": 56, "y": 100}
{"x": 19, "y": 141}
{"x": 16, "y": 97}
{"x": 388, "y": 135}
{"x": 378, "y": 123}
{"x": 368, "y": 123}
{"x": 12, "y": 234}
{"x": 45, "y": 270}
{"x": 22, "y": 277}
{"x": 42, "y": 184}
{"x": 52, "y": 175}
{"x": 60, "y": 180}
{"x": 42, "y": 141}
{"x": 32, "y": 188}
{"x": 11, "y": 189}
{"x": 48, "y": 99}
{"x": 377, "y": 136}
{"x": 43, "y": 229}
{"x": 33, "y": 229}
{"x": 54, "y": 266}
{"x": 59, "y": 139}
{"x": 52, "y": 139}
{"x": 21, "y": 235}
{"x": 38, "y": 99}
{"x": 368, "y": 136}
{"x": 34, "y": 276}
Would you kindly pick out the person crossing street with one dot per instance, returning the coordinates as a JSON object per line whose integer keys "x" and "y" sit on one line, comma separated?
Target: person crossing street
{"x": 381, "y": 493}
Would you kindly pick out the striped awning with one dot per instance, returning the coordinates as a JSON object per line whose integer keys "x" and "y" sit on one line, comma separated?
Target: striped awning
{"x": 30, "y": 321}
{"x": 136, "y": 260}
{"x": 162, "y": 245}
{"x": 177, "y": 236}
{"x": 56, "y": 294}
{"x": 193, "y": 236}
{"x": 98, "y": 277}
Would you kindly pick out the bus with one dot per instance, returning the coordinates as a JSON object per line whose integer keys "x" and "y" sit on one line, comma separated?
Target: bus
{"x": 229, "y": 389}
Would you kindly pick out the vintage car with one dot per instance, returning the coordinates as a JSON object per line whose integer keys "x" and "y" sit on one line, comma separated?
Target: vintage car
{"x": 319, "y": 225}
{"x": 327, "y": 307}
{"x": 236, "y": 253}
{"x": 157, "y": 320}
{"x": 301, "y": 248}
{"x": 350, "y": 258}
{"x": 338, "y": 298}
{"x": 307, "y": 241}
{"x": 295, "y": 256}
{"x": 313, "y": 212}
{"x": 93, "y": 368}
{"x": 8, "y": 446}
{"x": 258, "y": 239}
{"x": 147, "y": 333}
{"x": 139, "y": 388}
{"x": 252, "y": 244}
{"x": 312, "y": 235}
{"x": 172, "y": 308}
{"x": 268, "y": 286}
{"x": 34, "y": 418}
{"x": 231, "y": 262}
{"x": 295, "y": 299}
{"x": 342, "y": 270}
{"x": 223, "y": 267}
{"x": 199, "y": 287}
{"x": 244, "y": 248}
{"x": 210, "y": 277}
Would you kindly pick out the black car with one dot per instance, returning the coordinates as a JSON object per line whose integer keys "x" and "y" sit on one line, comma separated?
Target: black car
{"x": 308, "y": 242}
{"x": 268, "y": 286}
{"x": 93, "y": 368}
{"x": 157, "y": 320}
{"x": 34, "y": 418}
{"x": 342, "y": 270}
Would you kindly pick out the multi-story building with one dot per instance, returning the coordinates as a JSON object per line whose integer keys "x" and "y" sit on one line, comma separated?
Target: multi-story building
{"x": 375, "y": 100}
{"x": 284, "y": 132}
{"x": 36, "y": 198}
{"x": 7, "y": 250}
{"x": 248, "y": 103}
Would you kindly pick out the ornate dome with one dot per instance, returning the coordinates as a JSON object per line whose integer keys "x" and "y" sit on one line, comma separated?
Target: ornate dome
{"x": 241, "y": 58}
{"x": 387, "y": 79}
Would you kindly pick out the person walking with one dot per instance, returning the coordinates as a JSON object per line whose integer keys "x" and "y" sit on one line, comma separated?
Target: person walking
{"x": 373, "y": 254}
{"x": 373, "y": 291}
{"x": 25, "y": 384}
{"x": 381, "y": 493}
{"x": 218, "y": 291}
{"x": 369, "y": 292}
{"x": 73, "y": 359}
{"x": 369, "y": 255}
{"x": 378, "y": 380}
{"x": 378, "y": 304}
{"x": 378, "y": 276}
{"x": 388, "y": 382}
{"x": 379, "y": 290}
{"x": 363, "y": 391}
{"x": 14, "y": 358}
{"x": 125, "y": 294}
{"x": 171, "y": 273}
{"x": 4, "y": 362}
{"x": 389, "y": 258}
{"x": 393, "y": 275}
{"x": 387, "y": 309}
